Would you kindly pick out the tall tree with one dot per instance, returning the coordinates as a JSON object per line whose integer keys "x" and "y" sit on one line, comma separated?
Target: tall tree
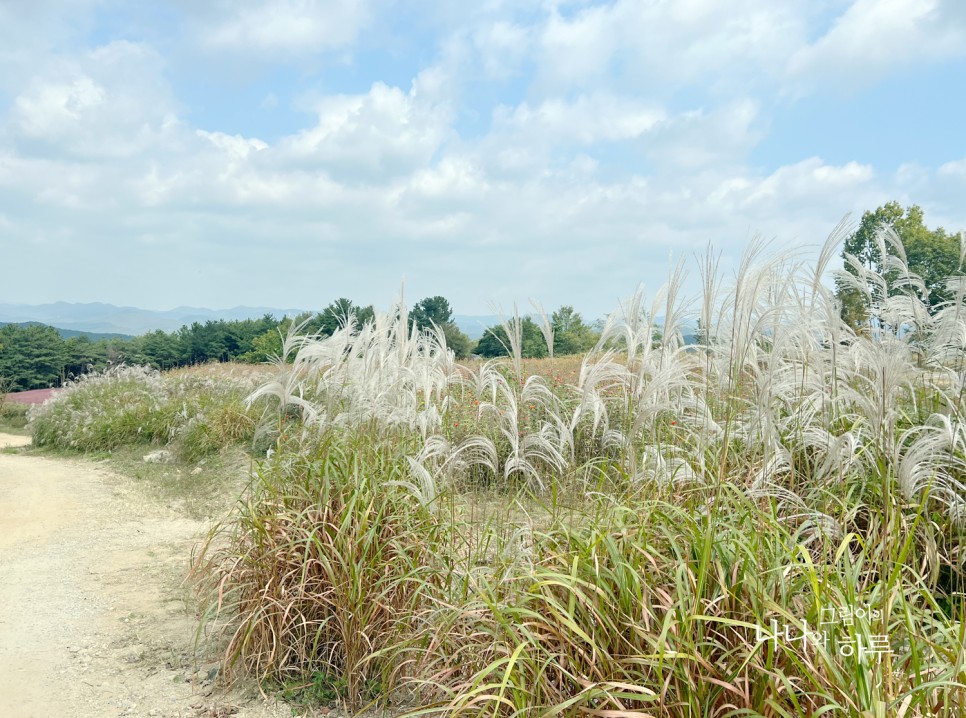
{"x": 83, "y": 355}
{"x": 431, "y": 310}
{"x": 436, "y": 311}
{"x": 159, "y": 349}
{"x": 932, "y": 254}
{"x": 32, "y": 357}
{"x": 570, "y": 334}
{"x": 457, "y": 340}
{"x": 335, "y": 316}
{"x": 495, "y": 343}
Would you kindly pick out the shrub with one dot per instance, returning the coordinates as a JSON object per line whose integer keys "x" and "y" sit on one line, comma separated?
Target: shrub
{"x": 137, "y": 405}
{"x": 99, "y": 412}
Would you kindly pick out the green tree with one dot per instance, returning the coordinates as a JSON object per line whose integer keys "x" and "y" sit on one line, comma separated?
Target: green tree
{"x": 83, "y": 355}
{"x": 267, "y": 346}
{"x": 495, "y": 342}
{"x": 334, "y": 316}
{"x": 931, "y": 254}
{"x": 32, "y": 357}
{"x": 201, "y": 342}
{"x": 437, "y": 311}
{"x": 431, "y": 310}
{"x": 570, "y": 334}
{"x": 457, "y": 340}
{"x": 159, "y": 349}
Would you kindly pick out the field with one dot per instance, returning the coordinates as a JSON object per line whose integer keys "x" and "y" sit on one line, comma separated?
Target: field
{"x": 766, "y": 524}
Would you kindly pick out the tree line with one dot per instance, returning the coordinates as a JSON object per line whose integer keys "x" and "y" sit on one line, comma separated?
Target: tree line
{"x": 36, "y": 356}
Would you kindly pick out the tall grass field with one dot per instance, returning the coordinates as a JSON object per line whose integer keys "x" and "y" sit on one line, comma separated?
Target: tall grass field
{"x": 767, "y": 523}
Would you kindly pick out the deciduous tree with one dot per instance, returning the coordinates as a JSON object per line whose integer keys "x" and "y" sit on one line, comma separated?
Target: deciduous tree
{"x": 932, "y": 254}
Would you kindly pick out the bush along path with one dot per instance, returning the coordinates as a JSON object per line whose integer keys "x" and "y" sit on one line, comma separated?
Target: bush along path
{"x": 93, "y": 619}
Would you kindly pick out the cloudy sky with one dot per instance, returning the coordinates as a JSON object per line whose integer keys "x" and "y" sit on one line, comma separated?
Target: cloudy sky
{"x": 287, "y": 152}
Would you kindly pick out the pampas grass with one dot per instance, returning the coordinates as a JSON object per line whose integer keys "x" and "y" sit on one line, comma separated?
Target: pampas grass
{"x": 197, "y": 415}
{"x": 654, "y": 514}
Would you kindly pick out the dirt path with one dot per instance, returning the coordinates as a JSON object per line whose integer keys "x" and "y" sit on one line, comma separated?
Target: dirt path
{"x": 93, "y": 619}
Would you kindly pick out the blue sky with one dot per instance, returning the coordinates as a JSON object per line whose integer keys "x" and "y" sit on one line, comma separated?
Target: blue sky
{"x": 288, "y": 152}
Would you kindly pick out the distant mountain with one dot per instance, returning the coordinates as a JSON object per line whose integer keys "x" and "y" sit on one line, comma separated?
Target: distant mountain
{"x": 108, "y": 319}
{"x": 120, "y": 322}
{"x": 475, "y": 326}
{"x": 71, "y": 333}
{"x": 99, "y": 318}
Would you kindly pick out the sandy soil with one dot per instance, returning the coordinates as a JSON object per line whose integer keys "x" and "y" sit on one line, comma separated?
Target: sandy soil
{"x": 93, "y": 616}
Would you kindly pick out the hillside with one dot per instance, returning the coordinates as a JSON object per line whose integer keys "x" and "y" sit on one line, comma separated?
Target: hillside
{"x": 71, "y": 333}
{"x": 99, "y": 320}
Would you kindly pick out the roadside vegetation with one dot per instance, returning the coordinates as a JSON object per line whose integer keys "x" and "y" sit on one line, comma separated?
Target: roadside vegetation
{"x": 769, "y": 522}
{"x": 13, "y": 416}
{"x": 194, "y": 415}
{"x": 187, "y": 435}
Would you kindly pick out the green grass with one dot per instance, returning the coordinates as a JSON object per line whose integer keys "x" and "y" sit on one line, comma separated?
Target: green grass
{"x": 13, "y": 418}
{"x": 332, "y": 580}
{"x": 123, "y": 414}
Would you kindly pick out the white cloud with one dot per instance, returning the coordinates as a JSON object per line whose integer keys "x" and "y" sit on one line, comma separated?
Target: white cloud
{"x": 578, "y": 50}
{"x": 587, "y": 120}
{"x": 285, "y": 26}
{"x": 572, "y": 185}
{"x": 46, "y": 108}
{"x": 873, "y": 36}
{"x": 31, "y": 31}
{"x": 658, "y": 45}
{"x": 453, "y": 178}
{"x": 381, "y": 133}
{"x": 809, "y": 181}
{"x": 239, "y": 203}
{"x": 697, "y": 140}
{"x": 502, "y": 46}
{"x": 109, "y": 102}
{"x": 235, "y": 146}
{"x": 956, "y": 168}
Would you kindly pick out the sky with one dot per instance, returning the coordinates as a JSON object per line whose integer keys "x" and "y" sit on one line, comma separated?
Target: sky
{"x": 288, "y": 152}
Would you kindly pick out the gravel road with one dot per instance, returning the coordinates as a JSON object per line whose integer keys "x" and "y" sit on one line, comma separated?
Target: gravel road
{"x": 94, "y": 620}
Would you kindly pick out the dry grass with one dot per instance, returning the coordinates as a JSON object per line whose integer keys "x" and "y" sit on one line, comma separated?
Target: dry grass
{"x": 236, "y": 371}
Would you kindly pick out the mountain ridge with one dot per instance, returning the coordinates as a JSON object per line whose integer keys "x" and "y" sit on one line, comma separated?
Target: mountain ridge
{"x": 72, "y": 333}
{"x": 104, "y": 318}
